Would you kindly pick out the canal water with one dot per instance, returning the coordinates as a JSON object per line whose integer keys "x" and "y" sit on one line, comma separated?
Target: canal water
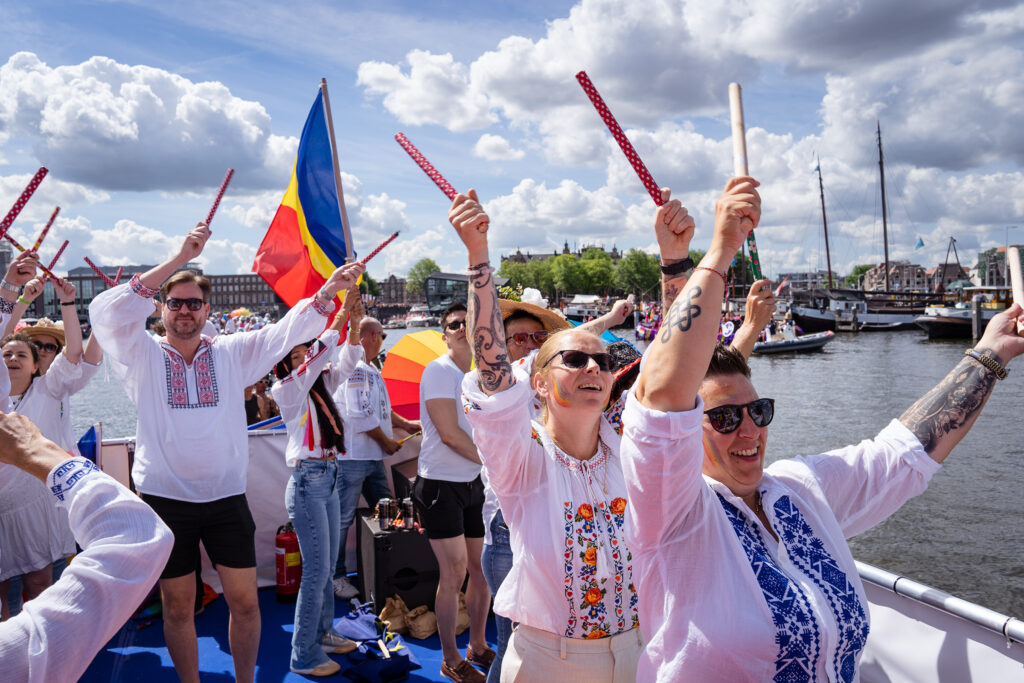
{"x": 965, "y": 534}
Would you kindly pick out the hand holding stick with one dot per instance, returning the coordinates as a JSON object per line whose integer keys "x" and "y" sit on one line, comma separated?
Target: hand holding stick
{"x": 620, "y": 137}
{"x": 16, "y": 245}
{"x": 739, "y": 160}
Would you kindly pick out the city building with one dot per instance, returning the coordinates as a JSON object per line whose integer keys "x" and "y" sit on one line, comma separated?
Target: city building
{"x": 393, "y": 292}
{"x": 942, "y": 276}
{"x": 519, "y": 257}
{"x": 991, "y": 270}
{"x": 904, "y": 276}
{"x": 805, "y": 281}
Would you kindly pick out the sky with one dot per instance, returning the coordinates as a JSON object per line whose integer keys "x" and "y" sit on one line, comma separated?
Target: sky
{"x": 138, "y": 108}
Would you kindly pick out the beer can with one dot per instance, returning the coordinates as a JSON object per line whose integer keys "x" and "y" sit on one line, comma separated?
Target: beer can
{"x": 383, "y": 513}
{"x": 409, "y": 521}
{"x": 395, "y": 518}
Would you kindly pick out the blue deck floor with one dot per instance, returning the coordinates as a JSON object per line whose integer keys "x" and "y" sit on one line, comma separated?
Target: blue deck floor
{"x": 137, "y": 651}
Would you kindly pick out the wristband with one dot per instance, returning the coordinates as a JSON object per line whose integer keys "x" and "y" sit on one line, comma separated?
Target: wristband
{"x": 989, "y": 362}
{"x": 9, "y": 287}
{"x": 677, "y": 268}
{"x": 718, "y": 273}
{"x": 65, "y": 303}
{"x": 24, "y": 300}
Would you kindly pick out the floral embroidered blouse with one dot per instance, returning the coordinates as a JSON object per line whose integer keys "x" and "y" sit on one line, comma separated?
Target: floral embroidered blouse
{"x": 572, "y": 573}
{"x": 722, "y": 599}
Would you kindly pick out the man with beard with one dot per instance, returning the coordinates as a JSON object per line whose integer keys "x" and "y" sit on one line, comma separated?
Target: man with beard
{"x": 191, "y": 446}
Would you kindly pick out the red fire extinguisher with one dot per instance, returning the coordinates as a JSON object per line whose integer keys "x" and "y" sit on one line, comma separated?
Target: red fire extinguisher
{"x": 289, "y": 563}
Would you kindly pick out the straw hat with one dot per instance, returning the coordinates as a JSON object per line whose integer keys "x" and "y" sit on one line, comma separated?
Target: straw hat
{"x": 47, "y": 327}
{"x": 551, "y": 321}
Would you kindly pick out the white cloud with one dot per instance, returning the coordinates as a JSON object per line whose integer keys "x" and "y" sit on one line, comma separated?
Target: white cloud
{"x": 496, "y": 148}
{"x": 120, "y": 127}
{"x": 436, "y": 90}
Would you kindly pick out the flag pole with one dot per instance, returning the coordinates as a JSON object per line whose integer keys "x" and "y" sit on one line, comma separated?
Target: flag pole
{"x": 349, "y": 247}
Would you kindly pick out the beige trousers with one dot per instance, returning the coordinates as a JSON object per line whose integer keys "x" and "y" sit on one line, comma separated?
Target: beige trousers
{"x": 534, "y": 655}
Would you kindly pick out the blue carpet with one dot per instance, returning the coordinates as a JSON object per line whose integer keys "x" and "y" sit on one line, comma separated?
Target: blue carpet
{"x": 137, "y": 651}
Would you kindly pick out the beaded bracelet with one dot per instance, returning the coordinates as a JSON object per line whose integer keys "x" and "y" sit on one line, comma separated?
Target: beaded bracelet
{"x": 721, "y": 275}
{"x": 484, "y": 268}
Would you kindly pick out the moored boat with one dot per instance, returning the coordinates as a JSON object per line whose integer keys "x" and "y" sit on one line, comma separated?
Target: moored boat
{"x": 805, "y": 342}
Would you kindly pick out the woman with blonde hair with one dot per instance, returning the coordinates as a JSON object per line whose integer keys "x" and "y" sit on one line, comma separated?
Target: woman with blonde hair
{"x": 559, "y": 483}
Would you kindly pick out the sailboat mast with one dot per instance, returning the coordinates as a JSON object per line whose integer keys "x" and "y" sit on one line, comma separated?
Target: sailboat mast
{"x": 885, "y": 217}
{"x": 824, "y": 222}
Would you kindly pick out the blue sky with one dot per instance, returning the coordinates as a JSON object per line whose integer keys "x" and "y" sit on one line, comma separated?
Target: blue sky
{"x": 138, "y": 108}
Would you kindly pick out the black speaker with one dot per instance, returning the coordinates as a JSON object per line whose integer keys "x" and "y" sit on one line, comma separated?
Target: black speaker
{"x": 395, "y": 562}
{"x": 404, "y": 476}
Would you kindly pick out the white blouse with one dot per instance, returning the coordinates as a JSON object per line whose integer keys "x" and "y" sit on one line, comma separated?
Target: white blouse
{"x": 296, "y": 404}
{"x": 721, "y": 600}
{"x": 56, "y": 635}
{"x": 191, "y": 441}
{"x": 6, "y": 308}
{"x": 572, "y": 570}
{"x": 364, "y": 403}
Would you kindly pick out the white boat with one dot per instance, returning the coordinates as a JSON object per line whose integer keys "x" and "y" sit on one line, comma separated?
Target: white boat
{"x": 584, "y": 307}
{"x": 804, "y": 342}
{"x": 419, "y": 316}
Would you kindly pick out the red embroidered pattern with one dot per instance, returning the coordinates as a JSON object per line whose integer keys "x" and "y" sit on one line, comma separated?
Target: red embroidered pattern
{"x": 135, "y": 284}
{"x": 177, "y": 377}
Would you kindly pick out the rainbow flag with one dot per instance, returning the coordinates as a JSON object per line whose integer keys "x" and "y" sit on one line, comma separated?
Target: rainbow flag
{"x": 306, "y": 239}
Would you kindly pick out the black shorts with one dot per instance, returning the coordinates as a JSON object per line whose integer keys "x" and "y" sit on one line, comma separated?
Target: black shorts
{"x": 450, "y": 508}
{"x": 224, "y": 526}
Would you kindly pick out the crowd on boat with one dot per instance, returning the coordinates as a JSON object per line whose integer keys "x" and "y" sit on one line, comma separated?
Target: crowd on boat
{"x": 617, "y": 507}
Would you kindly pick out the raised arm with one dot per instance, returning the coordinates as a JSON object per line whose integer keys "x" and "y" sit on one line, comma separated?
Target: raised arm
{"x": 190, "y": 248}
{"x": 69, "y": 314}
{"x": 484, "y": 315}
{"x": 944, "y": 415}
{"x": 680, "y": 353}
{"x": 20, "y": 271}
{"x": 674, "y": 227}
{"x": 33, "y": 288}
{"x": 759, "y": 311}
{"x": 613, "y": 318}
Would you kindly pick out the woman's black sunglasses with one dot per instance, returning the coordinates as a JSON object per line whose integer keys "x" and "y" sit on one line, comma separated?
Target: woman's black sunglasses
{"x": 726, "y": 419}
{"x": 577, "y": 360}
{"x": 175, "y": 304}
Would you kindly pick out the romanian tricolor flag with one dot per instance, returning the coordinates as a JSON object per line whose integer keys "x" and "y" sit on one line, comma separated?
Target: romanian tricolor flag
{"x": 306, "y": 240}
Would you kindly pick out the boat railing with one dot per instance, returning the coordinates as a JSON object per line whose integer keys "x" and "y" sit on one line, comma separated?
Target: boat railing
{"x": 1009, "y": 627}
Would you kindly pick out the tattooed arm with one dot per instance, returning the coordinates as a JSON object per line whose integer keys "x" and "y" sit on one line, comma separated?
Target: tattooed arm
{"x": 943, "y": 416}
{"x": 680, "y": 353}
{"x": 483, "y": 318}
{"x": 673, "y": 226}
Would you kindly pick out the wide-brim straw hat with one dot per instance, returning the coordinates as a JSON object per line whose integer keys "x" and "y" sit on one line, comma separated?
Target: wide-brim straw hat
{"x": 551, "y": 321}
{"x": 47, "y": 327}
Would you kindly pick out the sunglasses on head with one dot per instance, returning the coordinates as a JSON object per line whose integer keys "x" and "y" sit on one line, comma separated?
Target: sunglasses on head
{"x": 175, "y": 303}
{"x": 726, "y": 419}
{"x": 46, "y": 346}
{"x": 538, "y": 337}
{"x": 577, "y": 360}
{"x": 455, "y": 325}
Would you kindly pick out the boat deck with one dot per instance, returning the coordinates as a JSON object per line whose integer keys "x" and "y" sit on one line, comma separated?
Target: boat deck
{"x": 137, "y": 652}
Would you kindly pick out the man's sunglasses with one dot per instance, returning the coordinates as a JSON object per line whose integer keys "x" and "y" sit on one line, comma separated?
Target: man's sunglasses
{"x": 175, "y": 304}
{"x": 726, "y": 419}
{"x": 46, "y": 346}
{"x": 538, "y": 337}
{"x": 455, "y": 325}
{"x": 577, "y": 360}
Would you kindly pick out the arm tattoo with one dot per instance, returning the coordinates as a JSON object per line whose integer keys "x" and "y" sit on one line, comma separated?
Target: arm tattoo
{"x": 671, "y": 285}
{"x": 493, "y": 368}
{"x": 951, "y": 404}
{"x": 682, "y": 314}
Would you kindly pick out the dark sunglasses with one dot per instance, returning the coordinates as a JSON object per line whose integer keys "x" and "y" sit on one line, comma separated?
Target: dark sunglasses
{"x": 538, "y": 337}
{"x": 175, "y": 304}
{"x": 46, "y": 346}
{"x": 577, "y": 360}
{"x": 455, "y": 325}
{"x": 726, "y": 419}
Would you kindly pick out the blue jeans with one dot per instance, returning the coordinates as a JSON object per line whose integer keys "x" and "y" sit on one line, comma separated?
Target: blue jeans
{"x": 366, "y": 477}
{"x": 313, "y": 507}
{"x": 497, "y": 562}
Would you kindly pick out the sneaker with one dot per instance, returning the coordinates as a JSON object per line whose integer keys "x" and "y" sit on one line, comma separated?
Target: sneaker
{"x": 328, "y": 668}
{"x": 343, "y": 590}
{"x": 338, "y": 645}
{"x": 483, "y": 658}
{"x": 463, "y": 673}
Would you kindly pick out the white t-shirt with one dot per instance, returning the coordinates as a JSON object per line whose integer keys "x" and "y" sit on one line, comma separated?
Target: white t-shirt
{"x": 443, "y": 379}
{"x": 364, "y": 406}
{"x": 5, "y": 380}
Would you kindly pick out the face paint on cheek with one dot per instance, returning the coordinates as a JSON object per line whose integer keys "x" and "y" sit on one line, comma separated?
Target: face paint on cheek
{"x": 712, "y": 452}
{"x": 559, "y": 397}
